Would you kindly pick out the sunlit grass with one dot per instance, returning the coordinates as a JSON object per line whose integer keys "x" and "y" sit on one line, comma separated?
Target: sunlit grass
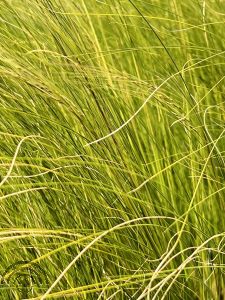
{"x": 112, "y": 149}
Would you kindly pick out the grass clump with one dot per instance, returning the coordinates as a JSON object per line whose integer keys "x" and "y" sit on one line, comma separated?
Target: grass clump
{"x": 112, "y": 149}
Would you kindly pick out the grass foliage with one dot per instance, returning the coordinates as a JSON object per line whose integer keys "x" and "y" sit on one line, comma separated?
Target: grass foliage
{"x": 112, "y": 149}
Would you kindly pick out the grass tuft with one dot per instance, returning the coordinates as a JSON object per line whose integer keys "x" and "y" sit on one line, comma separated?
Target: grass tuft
{"x": 112, "y": 149}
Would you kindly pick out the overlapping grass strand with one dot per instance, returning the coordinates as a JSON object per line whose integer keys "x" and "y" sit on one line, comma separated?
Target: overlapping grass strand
{"x": 112, "y": 149}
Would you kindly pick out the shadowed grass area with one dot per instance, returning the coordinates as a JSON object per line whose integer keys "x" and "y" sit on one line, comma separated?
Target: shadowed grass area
{"x": 112, "y": 149}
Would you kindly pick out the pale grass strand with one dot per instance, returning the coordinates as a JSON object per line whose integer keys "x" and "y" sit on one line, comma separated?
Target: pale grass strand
{"x": 14, "y": 159}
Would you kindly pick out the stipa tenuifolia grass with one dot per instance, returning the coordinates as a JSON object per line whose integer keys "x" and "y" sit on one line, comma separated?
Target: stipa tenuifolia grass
{"x": 112, "y": 149}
